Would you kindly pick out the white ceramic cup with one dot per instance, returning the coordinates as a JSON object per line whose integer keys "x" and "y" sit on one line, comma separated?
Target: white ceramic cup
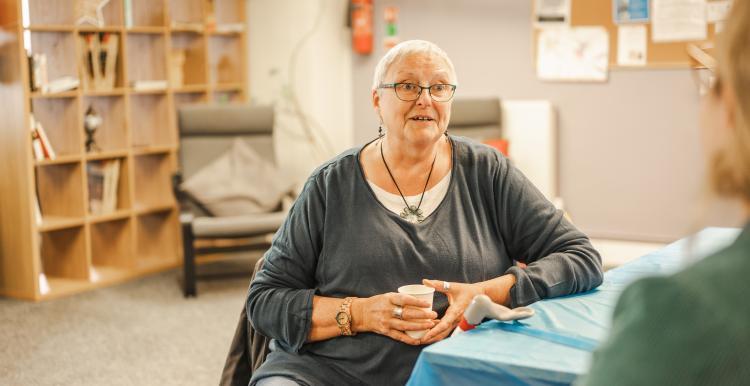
{"x": 421, "y": 292}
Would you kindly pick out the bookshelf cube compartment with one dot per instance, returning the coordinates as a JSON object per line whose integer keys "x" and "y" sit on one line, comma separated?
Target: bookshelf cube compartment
{"x": 111, "y": 135}
{"x": 59, "y": 48}
{"x": 186, "y": 13}
{"x": 147, "y": 58}
{"x": 225, "y": 60}
{"x": 60, "y": 189}
{"x": 150, "y": 122}
{"x": 112, "y": 244}
{"x": 228, "y": 11}
{"x": 153, "y": 186}
{"x": 188, "y": 98}
{"x": 229, "y": 96}
{"x": 144, "y": 13}
{"x": 60, "y": 121}
{"x": 110, "y": 75}
{"x": 108, "y": 186}
{"x": 64, "y": 254}
{"x": 158, "y": 238}
{"x": 51, "y": 12}
{"x": 187, "y": 59}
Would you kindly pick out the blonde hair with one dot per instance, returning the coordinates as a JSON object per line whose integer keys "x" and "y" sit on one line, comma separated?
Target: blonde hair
{"x": 407, "y": 48}
{"x": 729, "y": 168}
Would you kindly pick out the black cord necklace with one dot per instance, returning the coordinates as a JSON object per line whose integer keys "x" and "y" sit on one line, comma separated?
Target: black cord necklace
{"x": 410, "y": 213}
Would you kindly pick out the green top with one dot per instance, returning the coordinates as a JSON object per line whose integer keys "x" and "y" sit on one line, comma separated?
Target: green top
{"x": 692, "y": 328}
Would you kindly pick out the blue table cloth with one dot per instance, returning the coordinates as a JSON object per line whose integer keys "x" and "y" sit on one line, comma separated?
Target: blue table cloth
{"x": 554, "y": 346}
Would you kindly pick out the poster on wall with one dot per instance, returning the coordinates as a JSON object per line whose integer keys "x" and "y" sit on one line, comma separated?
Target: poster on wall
{"x": 630, "y": 11}
{"x": 551, "y": 13}
{"x": 632, "y": 45}
{"x": 678, "y": 20}
{"x": 573, "y": 54}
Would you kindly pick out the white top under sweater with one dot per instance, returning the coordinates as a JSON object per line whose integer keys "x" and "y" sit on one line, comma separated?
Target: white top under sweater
{"x": 432, "y": 197}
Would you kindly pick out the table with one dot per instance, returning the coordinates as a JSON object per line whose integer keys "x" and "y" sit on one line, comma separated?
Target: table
{"x": 554, "y": 346}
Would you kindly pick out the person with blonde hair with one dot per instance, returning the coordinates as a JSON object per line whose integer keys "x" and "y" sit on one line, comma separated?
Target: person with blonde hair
{"x": 414, "y": 203}
{"x": 693, "y": 328}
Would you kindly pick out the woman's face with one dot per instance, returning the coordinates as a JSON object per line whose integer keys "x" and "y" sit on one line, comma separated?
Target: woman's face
{"x": 421, "y": 121}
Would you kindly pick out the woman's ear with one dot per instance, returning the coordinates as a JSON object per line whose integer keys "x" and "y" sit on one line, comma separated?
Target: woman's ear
{"x": 375, "y": 100}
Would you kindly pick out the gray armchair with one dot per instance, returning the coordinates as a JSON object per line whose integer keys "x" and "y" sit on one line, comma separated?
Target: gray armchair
{"x": 206, "y": 132}
{"x": 477, "y": 118}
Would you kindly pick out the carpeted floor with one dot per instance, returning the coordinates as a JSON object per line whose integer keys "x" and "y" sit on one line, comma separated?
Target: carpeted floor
{"x": 139, "y": 333}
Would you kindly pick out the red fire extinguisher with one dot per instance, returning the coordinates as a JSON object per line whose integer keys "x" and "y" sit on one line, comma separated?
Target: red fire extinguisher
{"x": 362, "y": 26}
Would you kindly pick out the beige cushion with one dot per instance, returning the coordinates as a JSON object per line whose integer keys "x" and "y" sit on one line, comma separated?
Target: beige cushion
{"x": 238, "y": 182}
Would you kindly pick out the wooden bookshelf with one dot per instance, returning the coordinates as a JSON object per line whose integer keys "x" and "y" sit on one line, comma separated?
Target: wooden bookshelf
{"x": 197, "y": 47}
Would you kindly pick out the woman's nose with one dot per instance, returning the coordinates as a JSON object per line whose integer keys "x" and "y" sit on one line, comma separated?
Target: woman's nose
{"x": 424, "y": 99}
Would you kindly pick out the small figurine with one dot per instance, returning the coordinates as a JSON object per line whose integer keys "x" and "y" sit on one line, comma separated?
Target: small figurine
{"x": 483, "y": 307}
{"x": 91, "y": 123}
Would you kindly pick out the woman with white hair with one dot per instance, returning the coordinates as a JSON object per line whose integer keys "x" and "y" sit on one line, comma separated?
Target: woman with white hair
{"x": 414, "y": 203}
{"x": 691, "y": 328}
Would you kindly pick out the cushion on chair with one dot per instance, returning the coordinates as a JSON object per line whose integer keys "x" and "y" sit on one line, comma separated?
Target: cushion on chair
{"x": 239, "y": 182}
{"x": 237, "y": 225}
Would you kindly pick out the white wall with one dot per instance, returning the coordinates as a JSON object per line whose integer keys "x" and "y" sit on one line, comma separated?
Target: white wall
{"x": 629, "y": 151}
{"x": 323, "y": 76}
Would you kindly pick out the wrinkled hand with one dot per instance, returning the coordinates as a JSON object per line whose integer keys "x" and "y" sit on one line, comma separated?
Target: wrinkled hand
{"x": 460, "y": 296}
{"x": 376, "y": 314}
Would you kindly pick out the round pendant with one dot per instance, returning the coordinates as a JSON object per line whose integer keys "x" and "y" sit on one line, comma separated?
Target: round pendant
{"x": 412, "y": 214}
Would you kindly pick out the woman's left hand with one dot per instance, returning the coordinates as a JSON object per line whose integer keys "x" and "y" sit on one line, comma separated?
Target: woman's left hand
{"x": 460, "y": 296}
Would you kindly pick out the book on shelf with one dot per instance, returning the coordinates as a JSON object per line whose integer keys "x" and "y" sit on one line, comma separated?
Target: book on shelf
{"x": 40, "y": 142}
{"x": 38, "y": 71}
{"x": 95, "y": 180}
{"x": 65, "y": 83}
{"x": 149, "y": 85}
{"x": 111, "y": 178}
{"x": 103, "y": 179}
{"x": 37, "y": 211}
{"x": 128, "y": 5}
{"x": 99, "y": 60}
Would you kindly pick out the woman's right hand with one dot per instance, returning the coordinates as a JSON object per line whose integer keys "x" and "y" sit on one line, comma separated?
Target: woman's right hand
{"x": 377, "y": 314}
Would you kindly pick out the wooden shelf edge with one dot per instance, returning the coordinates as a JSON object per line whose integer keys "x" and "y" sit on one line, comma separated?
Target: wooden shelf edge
{"x": 119, "y": 91}
{"x": 154, "y": 150}
{"x": 117, "y": 215}
{"x": 155, "y": 209}
{"x": 56, "y": 223}
{"x": 147, "y": 29}
{"x": 108, "y": 276}
{"x": 61, "y": 160}
{"x": 63, "y": 94}
{"x": 51, "y": 28}
{"x": 109, "y": 154}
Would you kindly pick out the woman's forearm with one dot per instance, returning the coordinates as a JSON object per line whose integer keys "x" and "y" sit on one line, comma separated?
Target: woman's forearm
{"x": 498, "y": 289}
{"x": 324, "y": 324}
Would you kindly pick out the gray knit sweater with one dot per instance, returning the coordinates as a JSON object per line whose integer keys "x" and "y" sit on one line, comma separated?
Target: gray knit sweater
{"x": 338, "y": 241}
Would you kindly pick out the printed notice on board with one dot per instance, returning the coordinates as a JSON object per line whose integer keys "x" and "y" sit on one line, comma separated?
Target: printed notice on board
{"x": 716, "y": 11}
{"x": 630, "y": 11}
{"x": 678, "y": 20}
{"x": 573, "y": 54}
{"x": 548, "y": 13}
{"x": 632, "y": 45}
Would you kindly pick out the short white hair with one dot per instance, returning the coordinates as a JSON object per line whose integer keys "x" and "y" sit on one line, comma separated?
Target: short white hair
{"x": 407, "y": 48}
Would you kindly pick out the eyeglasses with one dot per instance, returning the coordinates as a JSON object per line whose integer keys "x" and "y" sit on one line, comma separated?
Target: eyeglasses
{"x": 408, "y": 92}
{"x": 703, "y": 68}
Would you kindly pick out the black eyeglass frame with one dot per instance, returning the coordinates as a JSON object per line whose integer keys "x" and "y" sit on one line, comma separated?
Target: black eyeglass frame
{"x": 421, "y": 88}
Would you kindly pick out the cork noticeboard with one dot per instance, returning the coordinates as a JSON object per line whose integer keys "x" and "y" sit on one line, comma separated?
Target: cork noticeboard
{"x": 659, "y": 55}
